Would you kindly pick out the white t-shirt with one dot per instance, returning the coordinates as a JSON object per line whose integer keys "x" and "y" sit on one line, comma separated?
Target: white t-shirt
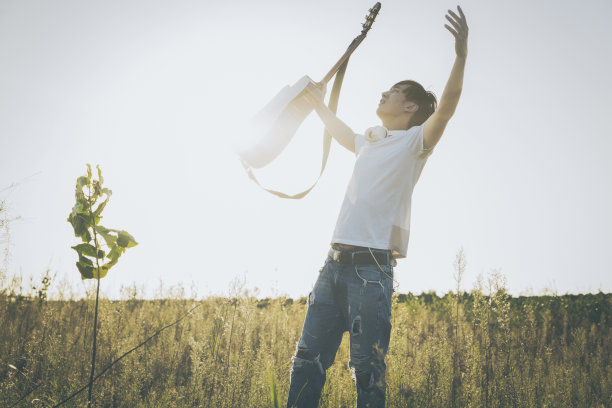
{"x": 376, "y": 208}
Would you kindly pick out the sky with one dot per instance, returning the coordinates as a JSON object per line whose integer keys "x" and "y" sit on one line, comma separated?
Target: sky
{"x": 155, "y": 91}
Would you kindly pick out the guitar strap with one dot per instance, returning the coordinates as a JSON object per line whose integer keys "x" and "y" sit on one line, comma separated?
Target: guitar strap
{"x": 333, "y": 106}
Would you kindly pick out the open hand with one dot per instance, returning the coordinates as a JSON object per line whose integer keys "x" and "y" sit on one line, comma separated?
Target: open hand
{"x": 459, "y": 30}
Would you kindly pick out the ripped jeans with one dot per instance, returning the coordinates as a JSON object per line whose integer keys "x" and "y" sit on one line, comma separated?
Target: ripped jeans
{"x": 354, "y": 298}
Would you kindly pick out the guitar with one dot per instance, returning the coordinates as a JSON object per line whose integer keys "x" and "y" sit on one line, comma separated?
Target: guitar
{"x": 276, "y": 124}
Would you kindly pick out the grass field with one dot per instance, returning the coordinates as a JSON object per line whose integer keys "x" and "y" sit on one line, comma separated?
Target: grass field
{"x": 479, "y": 349}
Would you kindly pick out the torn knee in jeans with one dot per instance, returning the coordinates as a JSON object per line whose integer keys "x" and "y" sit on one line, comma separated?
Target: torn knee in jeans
{"x": 362, "y": 371}
{"x": 368, "y": 372}
{"x": 305, "y": 354}
{"x": 364, "y": 379}
{"x": 305, "y": 358}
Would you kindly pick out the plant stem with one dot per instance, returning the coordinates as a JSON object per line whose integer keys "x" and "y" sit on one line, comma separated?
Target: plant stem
{"x": 95, "y": 331}
{"x": 93, "y": 357}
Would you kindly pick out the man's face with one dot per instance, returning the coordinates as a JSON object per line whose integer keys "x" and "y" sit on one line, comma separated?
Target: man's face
{"x": 393, "y": 102}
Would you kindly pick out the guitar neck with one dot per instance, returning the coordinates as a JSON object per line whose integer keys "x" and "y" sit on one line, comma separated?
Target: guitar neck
{"x": 344, "y": 57}
{"x": 366, "y": 27}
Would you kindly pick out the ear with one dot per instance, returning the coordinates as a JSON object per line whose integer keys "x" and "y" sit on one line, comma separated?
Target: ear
{"x": 411, "y": 107}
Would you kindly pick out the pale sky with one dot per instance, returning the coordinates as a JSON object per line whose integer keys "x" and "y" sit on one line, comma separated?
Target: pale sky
{"x": 153, "y": 92}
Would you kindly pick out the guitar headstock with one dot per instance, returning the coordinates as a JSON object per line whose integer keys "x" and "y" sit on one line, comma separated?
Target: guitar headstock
{"x": 370, "y": 18}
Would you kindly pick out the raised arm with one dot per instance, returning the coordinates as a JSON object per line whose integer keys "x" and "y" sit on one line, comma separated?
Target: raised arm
{"x": 337, "y": 128}
{"x": 435, "y": 125}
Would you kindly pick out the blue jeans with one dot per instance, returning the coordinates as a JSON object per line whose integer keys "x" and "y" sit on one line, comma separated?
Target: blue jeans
{"x": 354, "y": 298}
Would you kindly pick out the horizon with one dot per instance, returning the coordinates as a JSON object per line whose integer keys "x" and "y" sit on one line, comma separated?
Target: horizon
{"x": 239, "y": 289}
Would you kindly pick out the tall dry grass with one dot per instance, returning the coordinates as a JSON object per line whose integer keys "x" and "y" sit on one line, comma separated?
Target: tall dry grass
{"x": 478, "y": 349}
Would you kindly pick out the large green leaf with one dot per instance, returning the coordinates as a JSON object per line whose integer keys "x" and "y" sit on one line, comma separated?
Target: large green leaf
{"x": 89, "y": 250}
{"x": 106, "y": 267}
{"x": 86, "y": 261}
{"x": 100, "y": 208}
{"x": 115, "y": 252}
{"x": 125, "y": 240}
{"x": 85, "y": 266}
{"x": 81, "y": 183}
{"x": 103, "y": 271}
{"x": 80, "y": 221}
{"x": 76, "y": 208}
{"x": 102, "y": 205}
{"x": 107, "y": 234}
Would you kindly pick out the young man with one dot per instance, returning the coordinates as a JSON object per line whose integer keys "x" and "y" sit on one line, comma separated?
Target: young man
{"x": 354, "y": 287}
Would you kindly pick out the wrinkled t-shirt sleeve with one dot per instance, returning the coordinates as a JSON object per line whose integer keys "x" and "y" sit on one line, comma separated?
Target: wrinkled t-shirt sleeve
{"x": 359, "y": 143}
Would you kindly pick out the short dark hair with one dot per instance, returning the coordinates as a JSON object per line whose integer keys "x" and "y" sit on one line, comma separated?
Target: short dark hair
{"x": 426, "y": 101}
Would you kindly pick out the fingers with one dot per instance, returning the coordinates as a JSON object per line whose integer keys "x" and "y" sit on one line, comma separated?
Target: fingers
{"x": 453, "y": 32}
{"x": 459, "y": 29}
{"x": 459, "y": 23}
{"x": 461, "y": 13}
{"x": 459, "y": 19}
{"x": 454, "y": 23}
{"x": 455, "y": 16}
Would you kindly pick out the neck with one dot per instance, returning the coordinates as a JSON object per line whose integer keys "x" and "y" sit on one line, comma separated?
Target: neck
{"x": 396, "y": 123}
